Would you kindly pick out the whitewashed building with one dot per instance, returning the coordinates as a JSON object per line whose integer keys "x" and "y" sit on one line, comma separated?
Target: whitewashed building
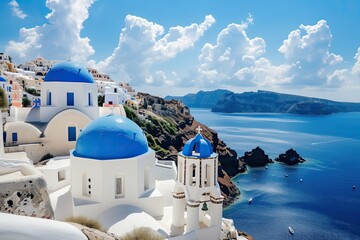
{"x": 67, "y": 104}
{"x": 7, "y": 88}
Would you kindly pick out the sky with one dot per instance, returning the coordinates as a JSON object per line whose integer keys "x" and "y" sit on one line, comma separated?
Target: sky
{"x": 176, "y": 47}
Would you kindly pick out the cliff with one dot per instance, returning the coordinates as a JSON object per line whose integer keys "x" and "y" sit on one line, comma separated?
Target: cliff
{"x": 168, "y": 125}
{"x": 271, "y": 102}
{"x": 201, "y": 99}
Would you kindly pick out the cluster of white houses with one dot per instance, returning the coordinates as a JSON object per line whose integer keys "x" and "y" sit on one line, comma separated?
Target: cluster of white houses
{"x": 107, "y": 170}
{"x": 31, "y": 74}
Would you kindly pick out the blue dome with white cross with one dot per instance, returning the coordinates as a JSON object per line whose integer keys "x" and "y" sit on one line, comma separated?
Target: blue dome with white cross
{"x": 111, "y": 137}
{"x": 2, "y": 78}
{"x": 68, "y": 72}
{"x": 198, "y": 147}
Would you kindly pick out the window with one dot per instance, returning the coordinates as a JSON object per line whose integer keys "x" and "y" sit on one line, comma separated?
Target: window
{"x": 208, "y": 177}
{"x": 146, "y": 178}
{"x": 192, "y": 175}
{"x": 4, "y": 137}
{"x": 119, "y": 191}
{"x": 48, "y": 100}
{"x": 86, "y": 185}
{"x": 115, "y": 90}
{"x": 14, "y": 137}
{"x": 71, "y": 134}
{"x": 90, "y": 99}
{"x": 70, "y": 99}
{"x": 61, "y": 175}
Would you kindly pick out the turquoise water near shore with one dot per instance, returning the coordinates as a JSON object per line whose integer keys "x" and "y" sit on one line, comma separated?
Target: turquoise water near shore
{"x": 323, "y": 205}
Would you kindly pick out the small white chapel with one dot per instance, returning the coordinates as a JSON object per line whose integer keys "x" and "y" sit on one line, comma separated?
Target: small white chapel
{"x": 67, "y": 104}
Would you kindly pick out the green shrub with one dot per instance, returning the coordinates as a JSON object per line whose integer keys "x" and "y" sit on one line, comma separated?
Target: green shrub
{"x": 26, "y": 102}
{"x": 141, "y": 234}
{"x": 3, "y": 99}
{"x": 87, "y": 222}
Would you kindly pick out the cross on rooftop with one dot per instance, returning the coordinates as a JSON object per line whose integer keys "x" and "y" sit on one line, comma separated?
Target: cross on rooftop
{"x": 198, "y": 129}
{"x": 37, "y": 103}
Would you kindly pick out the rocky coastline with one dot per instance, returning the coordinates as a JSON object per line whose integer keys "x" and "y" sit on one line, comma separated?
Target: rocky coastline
{"x": 168, "y": 125}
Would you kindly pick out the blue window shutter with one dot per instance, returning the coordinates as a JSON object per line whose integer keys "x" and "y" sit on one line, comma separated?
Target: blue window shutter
{"x": 89, "y": 99}
{"x": 14, "y": 136}
{"x": 71, "y": 134}
{"x": 49, "y": 99}
{"x": 70, "y": 99}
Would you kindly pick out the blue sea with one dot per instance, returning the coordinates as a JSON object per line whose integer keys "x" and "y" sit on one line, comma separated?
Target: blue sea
{"x": 323, "y": 205}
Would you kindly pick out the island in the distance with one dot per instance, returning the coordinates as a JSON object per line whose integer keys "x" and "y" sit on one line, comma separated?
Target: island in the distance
{"x": 264, "y": 102}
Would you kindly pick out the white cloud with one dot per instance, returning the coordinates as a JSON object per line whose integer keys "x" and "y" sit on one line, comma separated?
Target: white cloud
{"x": 58, "y": 39}
{"x": 356, "y": 68}
{"x": 141, "y": 46}
{"x": 236, "y": 59}
{"x": 307, "y": 49}
{"x": 159, "y": 79}
{"x": 348, "y": 76}
{"x": 16, "y": 11}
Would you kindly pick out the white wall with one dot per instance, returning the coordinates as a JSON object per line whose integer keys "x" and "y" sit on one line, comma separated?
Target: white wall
{"x": 59, "y": 92}
{"x": 1, "y": 140}
{"x": 104, "y": 111}
{"x": 51, "y": 171}
{"x": 103, "y": 174}
{"x": 26, "y": 132}
{"x": 19, "y": 114}
{"x": 56, "y": 132}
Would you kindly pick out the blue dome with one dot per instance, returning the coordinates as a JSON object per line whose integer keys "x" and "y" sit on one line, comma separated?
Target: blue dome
{"x": 111, "y": 137}
{"x": 198, "y": 147}
{"x": 68, "y": 72}
{"x": 2, "y": 78}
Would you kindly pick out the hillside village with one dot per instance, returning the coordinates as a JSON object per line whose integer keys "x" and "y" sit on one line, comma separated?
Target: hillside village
{"x": 68, "y": 150}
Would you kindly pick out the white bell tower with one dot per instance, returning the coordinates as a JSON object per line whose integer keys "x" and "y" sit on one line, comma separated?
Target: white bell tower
{"x": 197, "y": 191}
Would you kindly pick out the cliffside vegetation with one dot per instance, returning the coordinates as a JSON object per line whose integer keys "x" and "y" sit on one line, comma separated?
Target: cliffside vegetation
{"x": 3, "y": 99}
{"x": 168, "y": 125}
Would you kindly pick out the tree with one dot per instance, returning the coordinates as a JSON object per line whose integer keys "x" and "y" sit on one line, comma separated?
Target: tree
{"x": 32, "y": 91}
{"x": 101, "y": 100}
{"x": 26, "y": 102}
{"x": 3, "y": 99}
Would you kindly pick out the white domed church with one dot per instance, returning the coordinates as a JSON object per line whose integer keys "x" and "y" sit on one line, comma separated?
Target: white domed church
{"x": 116, "y": 179}
{"x": 67, "y": 104}
{"x": 111, "y": 166}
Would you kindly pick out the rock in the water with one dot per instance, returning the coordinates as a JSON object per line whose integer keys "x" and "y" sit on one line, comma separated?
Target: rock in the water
{"x": 290, "y": 157}
{"x": 256, "y": 158}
